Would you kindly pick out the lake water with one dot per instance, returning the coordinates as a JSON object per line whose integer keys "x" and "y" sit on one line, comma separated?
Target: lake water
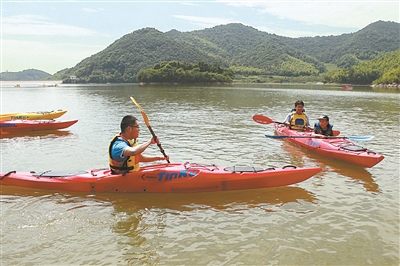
{"x": 345, "y": 215}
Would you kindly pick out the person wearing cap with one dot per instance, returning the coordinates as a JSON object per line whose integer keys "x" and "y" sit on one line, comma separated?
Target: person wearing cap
{"x": 297, "y": 119}
{"x": 323, "y": 128}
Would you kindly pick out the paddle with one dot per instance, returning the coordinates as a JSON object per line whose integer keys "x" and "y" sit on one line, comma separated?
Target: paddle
{"x": 146, "y": 120}
{"x": 355, "y": 138}
{"x": 261, "y": 119}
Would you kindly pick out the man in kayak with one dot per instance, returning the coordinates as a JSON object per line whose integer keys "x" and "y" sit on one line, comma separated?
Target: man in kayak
{"x": 297, "y": 119}
{"x": 125, "y": 152}
{"x": 323, "y": 128}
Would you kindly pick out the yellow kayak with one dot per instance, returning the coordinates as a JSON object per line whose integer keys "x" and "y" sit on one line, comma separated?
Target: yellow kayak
{"x": 33, "y": 115}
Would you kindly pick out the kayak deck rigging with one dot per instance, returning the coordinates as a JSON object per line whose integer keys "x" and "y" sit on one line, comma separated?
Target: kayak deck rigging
{"x": 339, "y": 148}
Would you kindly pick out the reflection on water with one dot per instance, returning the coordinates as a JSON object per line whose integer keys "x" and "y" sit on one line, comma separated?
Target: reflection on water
{"x": 269, "y": 199}
{"x": 354, "y": 172}
{"x": 45, "y": 134}
{"x": 139, "y": 222}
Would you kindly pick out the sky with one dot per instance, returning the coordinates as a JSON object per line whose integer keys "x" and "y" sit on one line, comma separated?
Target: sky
{"x": 54, "y": 35}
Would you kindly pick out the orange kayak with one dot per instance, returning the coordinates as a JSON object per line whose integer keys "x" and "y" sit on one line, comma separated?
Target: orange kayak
{"x": 161, "y": 178}
{"x": 339, "y": 148}
{"x": 13, "y": 126}
{"x": 33, "y": 115}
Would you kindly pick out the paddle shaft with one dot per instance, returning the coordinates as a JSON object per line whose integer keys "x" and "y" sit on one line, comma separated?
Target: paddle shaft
{"x": 146, "y": 120}
{"x": 356, "y": 138}
{"x": 261, "y": 119}
{"x": 158, "y": 144}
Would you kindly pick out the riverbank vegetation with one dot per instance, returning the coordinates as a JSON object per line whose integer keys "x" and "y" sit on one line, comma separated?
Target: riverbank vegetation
{"x": 185, "y": 73}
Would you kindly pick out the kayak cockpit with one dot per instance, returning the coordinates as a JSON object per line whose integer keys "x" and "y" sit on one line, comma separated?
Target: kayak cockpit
{"x": 66, "y": 173}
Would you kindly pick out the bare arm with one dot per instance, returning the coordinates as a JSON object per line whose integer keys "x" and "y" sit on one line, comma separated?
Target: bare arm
{"x": 135, "y": 150}
{"x": 139, "y": 149}
{"x": 146, "y": 158}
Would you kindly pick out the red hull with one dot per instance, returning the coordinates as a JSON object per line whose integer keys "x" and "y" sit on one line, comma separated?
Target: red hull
{"x": 162, "y": 178}
{"x": 333, "y": 148}
{"x": 347, "y": 88}
{"x": 13, "y": 126}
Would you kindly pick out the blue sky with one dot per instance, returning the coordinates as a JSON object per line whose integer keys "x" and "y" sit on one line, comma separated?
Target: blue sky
{"x": 53, "y": 35}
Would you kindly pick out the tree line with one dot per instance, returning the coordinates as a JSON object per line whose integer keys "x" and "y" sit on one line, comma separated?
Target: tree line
{"x": 182, "y": 72}
{"x": 382, "y": 70}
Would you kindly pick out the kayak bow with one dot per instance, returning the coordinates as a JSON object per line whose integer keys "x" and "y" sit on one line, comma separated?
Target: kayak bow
{"x": 33, "y": 115}
{"x": 13, "y": 126}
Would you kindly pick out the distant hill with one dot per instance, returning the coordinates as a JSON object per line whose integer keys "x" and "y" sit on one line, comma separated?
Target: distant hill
{"x": 234, "y": 46}
{"x": 374, "y": 40}
{"x": 380, "y": 70}
{"x": 29, "y": 74}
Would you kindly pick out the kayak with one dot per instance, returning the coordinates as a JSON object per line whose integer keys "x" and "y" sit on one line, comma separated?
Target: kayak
{"x": 339, "y": 148}
{"x": 13, "y": 126}
{"x": 161, "y": 178}
{"x": 33, "y": 115}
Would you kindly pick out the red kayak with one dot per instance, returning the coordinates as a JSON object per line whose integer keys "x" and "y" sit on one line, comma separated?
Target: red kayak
{"x": 161, "y": 178}
{"x": 337, "y": 147}
{"x": 13, "y": 126}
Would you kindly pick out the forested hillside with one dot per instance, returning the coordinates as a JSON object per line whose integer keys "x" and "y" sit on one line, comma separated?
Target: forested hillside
{"x": 28, "y": 74}
{"x": 243, "y": 49}
{"x": 245, "y": 46}
{"x": 374, "y": 40}
{"x": 382, "y": 70}
{"x": 185, "y": 73}
{"x": 122, "y": 60}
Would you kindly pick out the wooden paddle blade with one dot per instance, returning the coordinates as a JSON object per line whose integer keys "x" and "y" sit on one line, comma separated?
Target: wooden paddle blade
{"x": 262, "y": 119}
{"x": 135, "y": 102}
{"x": 145, "y": 118}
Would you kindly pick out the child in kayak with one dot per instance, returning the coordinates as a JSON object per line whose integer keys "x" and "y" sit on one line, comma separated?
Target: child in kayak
{"x": 298, "y": 118}
{"x": 323, "y": 128}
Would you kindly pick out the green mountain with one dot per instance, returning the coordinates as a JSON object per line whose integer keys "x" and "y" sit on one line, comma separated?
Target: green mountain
{"x": 380, "y": 70}
{"x": 241, "y": 48}
{"x": 29, "y": 74}
{"x": 122, "y": 60}
{"x": 239, "y": 45}
{"x": 374, "y": 40}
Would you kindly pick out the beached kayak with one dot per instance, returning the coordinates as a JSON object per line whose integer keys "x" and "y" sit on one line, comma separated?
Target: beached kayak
{"x": 13, "y": 126}
{"x": 161, "y": 178}
{"x": 339, "y": 148}
{"x": 33, "y": 115}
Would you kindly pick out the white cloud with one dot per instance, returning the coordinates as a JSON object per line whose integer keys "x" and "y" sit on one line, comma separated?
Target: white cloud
{"x": 39, "y": 25}
{"x": 188, "y": 3}
{"x": 290, "y": 33}
{"x": 349, "y": 14}
{"x": 93, "y": 10}
{"x": 205, "y": 22}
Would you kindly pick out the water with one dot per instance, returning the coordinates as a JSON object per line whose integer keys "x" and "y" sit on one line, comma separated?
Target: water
{"x": 346, "y": 215}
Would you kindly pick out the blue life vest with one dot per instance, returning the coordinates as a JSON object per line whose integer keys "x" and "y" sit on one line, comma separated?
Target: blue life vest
{"x": 319, "y": 130}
